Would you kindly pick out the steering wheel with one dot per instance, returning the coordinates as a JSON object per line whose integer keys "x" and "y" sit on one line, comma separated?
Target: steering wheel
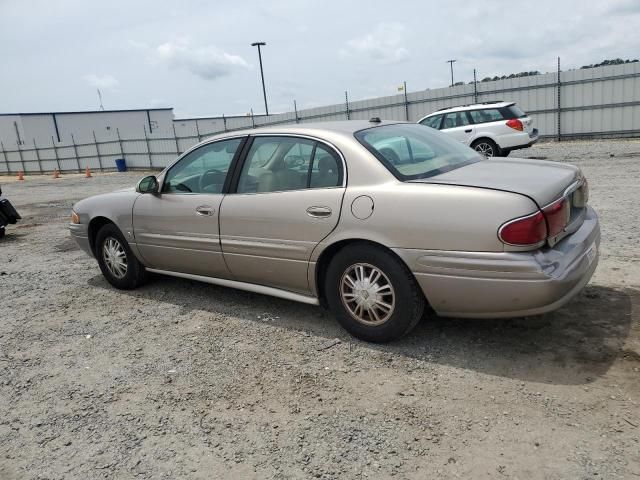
{"x": 204, "y": 182}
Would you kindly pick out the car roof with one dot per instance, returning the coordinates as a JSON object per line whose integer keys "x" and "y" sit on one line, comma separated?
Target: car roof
{"x": 345, "y": 127}
{"x": 474, "y": 106}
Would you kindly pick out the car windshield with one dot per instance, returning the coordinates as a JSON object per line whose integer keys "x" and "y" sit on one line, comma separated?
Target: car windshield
{"x": 413, "y": 151}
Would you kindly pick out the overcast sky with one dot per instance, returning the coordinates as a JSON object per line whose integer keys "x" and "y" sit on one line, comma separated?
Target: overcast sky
{"x": 196, "y": 56}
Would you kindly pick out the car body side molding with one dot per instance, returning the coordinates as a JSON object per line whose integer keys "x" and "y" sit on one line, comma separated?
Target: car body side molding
{"x": 249, "y": 287}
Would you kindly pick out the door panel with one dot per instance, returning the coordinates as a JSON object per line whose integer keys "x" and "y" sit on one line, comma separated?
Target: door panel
{"x": 267, "y": 238}
{"x": 172, "y": 235}
{"x": 178, "y": 228}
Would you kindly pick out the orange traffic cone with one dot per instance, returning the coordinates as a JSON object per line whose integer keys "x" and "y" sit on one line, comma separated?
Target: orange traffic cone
{"x": 56, "y": 173}
{"x": 87, "y": 173}
{"x": 21, "y": 175}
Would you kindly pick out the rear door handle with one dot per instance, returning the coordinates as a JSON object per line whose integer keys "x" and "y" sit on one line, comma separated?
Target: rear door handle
{"x": 467, "y": 131}
{"x": 205, "y": 210}
{"x": 319, "y": 212}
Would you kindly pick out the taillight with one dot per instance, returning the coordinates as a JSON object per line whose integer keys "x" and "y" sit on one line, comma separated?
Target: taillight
{"x": 515, "y": 124}
{"x": 525, "y": 231}
{"x": 557, "y": 215}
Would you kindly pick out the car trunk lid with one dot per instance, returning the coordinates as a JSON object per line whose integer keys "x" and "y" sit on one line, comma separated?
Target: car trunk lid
{"x": 540, "y": 180}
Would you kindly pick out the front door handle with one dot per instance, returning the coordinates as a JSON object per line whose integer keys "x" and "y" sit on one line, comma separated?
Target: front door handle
{"x": 205, "y": 210}
{"x": 467, "y": 131}
{"x": 319, "y": 212}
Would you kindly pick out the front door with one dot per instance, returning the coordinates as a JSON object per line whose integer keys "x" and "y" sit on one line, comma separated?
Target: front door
{"x": 177, "y": 229}
{"x": 287, "y": 198}
{"x": 458, "y": 126}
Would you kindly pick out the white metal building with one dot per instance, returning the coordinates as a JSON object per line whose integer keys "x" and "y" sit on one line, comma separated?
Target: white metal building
{"x": 21, "y": 129}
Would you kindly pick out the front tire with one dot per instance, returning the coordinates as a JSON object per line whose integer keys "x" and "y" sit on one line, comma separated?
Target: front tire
{"x": 486, "y": 147}
{"x": 117, "y": 262}
{"x": 372, "y": 294}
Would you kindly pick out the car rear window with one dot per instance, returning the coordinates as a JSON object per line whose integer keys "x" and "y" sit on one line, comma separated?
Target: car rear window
{"x": 411, "y": 151}
{"x": 486, "y": 115}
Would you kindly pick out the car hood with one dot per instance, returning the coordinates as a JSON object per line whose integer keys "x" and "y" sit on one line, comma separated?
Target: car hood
{"x": 543, "y": 181}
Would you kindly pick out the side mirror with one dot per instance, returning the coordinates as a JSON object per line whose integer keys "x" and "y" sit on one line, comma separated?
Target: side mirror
{"x": 148, "y": 185}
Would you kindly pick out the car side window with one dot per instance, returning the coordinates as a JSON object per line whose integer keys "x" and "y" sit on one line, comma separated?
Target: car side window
{"x": 486, "y": 115}
{"x": 203, "y": 170}
{"x": 433, "y": 122}
{"x": 327, "y": 169}
{"x": 278, "y": 164}
{"x": 455, "y": 119}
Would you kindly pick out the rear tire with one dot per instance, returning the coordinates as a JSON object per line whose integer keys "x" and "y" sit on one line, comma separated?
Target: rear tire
{"x": 486, "y": 147}
{"x": 372, "y": 294}
{"x": 117, "y": 262}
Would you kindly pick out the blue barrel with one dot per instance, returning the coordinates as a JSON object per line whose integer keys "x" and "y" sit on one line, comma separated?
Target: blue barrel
{"x": 121, "y": 165}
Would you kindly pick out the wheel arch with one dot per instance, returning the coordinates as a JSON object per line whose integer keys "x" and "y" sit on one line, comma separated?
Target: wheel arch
{"x": 95, "y": 224}
{"x": 329, "y": 251}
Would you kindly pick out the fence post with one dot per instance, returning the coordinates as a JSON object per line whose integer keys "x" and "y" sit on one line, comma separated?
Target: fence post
{"x": 295, "y": 109}
{"x": 559, "y": 109}
{"x": 75, "y": 151}
{"x": 146, "y": 140}
{"x": 120, "y": 143}
{"x": 95, "y": 142}
{"x": 475, "y": 87}
{"x": 21, "y": 159}
{"x": 253, "y": 122}
{"x": 4, "y": 155}
{"x": 346, "y": 102}
{"x": 35, "y": 147}
{"x": 55, "y": 151}
{"x": 198, "y": 132}
{"x": 406, "y": 101}
{"x": 224, "y": 122}
{"x": 175, "y": 136}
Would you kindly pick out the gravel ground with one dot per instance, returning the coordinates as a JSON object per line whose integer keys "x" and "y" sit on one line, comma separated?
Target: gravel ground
{"x": 185, "y": 380}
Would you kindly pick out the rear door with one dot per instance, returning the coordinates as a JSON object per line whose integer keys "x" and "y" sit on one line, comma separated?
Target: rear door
{"x": 458, "y": 126}
{"x": 288, "y": 196}
{"x": 177, "y": 229}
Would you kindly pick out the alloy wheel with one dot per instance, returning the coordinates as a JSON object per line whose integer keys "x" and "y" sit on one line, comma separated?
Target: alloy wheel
{"x": 485, "y": 149}
{"x": 367, "y": 294}
{"x": 115, "y": 258}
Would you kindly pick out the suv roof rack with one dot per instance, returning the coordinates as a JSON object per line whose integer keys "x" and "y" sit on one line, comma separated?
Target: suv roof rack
{"x": 470, "y": 104}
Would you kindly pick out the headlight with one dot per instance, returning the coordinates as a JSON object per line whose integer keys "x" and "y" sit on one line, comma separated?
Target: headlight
{"x": 74, "y": 217}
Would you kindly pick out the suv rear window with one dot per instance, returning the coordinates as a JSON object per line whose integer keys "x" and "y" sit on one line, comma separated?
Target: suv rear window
{"x": 515, "y": 111}
{"x": 410, "y": 151}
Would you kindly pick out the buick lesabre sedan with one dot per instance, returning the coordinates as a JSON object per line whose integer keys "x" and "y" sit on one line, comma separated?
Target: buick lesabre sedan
{"x": 375, "y": 220}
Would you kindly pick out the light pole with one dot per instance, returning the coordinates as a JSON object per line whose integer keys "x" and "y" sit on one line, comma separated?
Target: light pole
{"x": 264, "y": 91}
{"x": 451, "y": 62}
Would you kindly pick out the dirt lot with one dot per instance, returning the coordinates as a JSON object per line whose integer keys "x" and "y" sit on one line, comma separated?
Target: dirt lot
{"x": 185, "y": 380}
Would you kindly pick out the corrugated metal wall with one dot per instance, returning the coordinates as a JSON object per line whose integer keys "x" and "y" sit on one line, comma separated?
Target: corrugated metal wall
{"x": 603, "y": 101}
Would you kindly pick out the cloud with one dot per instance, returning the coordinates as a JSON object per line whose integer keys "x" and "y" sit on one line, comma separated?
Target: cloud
{"x": 105, "y": 82}
{"x": 207, "y": 62}
{"x": 628, "y": 7}
{"x": 383, "y": 45}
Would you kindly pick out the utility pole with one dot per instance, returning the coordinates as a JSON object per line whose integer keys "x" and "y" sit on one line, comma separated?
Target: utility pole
{"x": 264, "y": 91}
{"x": 451, "y": 62}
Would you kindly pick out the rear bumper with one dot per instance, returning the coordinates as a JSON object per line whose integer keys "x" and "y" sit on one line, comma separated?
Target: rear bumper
{"x": 507, "y": 284}
{"x": 515, "y": 141}
{"x": 80, "y": 234}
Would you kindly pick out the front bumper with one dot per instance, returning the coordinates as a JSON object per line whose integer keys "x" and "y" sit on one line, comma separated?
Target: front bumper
{"x": 80, "y": 234}
{"x": 507, "y": 284}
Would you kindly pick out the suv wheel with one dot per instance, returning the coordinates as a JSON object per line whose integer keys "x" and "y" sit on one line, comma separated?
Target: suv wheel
{"x": 372, "y": 294}
{"x": 486, "y": 147}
